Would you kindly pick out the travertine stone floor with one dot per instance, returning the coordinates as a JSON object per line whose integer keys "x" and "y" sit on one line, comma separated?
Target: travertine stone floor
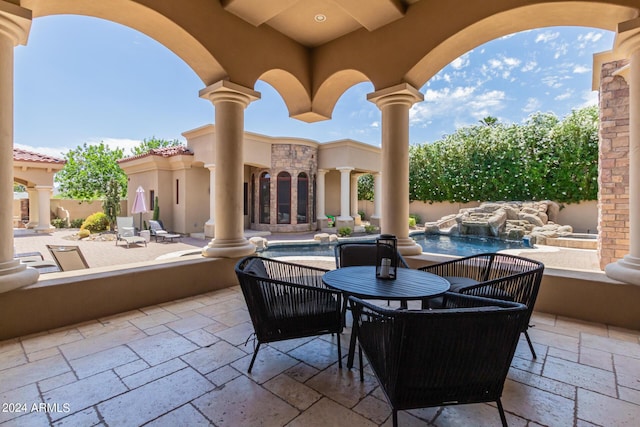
{"x": 184, "y": 364}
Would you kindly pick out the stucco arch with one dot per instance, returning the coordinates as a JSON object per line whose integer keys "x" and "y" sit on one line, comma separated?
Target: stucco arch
{"x": 294, "y": 94}
{"x": 333, "y": 88}
{"x": 584, "y": 14}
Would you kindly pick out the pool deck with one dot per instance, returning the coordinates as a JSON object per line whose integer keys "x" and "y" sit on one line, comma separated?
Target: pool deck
{"x": 105, "y": 253}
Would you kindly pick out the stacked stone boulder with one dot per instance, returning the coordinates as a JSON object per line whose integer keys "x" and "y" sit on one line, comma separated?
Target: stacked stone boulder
{"x": 505, "y": 220}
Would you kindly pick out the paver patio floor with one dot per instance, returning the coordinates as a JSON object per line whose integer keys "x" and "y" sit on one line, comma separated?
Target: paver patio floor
{"x": 184, "y": 363}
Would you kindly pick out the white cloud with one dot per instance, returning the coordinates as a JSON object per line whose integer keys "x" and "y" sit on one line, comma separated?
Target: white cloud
{"x": 561, "y": 49}
{"x": 547, "y": 36}
{"x": 529, "y": 66}
{"x": 511, "y": 62}
{"x": 590, "y": 37}
{"x": 564, "y": 96}
{"x": 375, "y": 124}
{"x": 554, "y": 81}
{"x": 533, "y": 104}
{"x": 486, "y": 100}
{"x": 461, "y": 61}
{"x": 590, "y": 98}
{"x": 495, "y": 63}
{"x": 580, "y": 69}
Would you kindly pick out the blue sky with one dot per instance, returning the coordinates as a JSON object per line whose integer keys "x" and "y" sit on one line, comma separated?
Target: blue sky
{"x": 87, "y": 80}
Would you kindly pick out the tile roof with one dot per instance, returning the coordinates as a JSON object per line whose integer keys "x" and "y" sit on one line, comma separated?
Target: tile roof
{"x": 162, "y": 152}
{"x": 28, "y": 156}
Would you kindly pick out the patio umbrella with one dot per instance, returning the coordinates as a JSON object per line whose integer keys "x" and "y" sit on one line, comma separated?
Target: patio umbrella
{"x": 138, "y": 204}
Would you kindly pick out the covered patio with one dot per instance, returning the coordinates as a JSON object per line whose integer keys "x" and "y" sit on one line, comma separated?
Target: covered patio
{"x": 165, "y": 341}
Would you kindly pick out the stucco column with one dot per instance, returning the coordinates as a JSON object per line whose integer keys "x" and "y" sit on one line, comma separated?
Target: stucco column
{"x": 354, "y": 198}
{"x": 14, "y": 27}
{"x": 230, "y": 101}
{"x": 44, "y": 208}
{"x": 33, "y": 208}
{"x": 377, "y": 199}
{"x": 320, "y": 196}
{"x": 345, "y": 186}
{"x": 394, "y": 103}
{"x": 627, "y": 269}
{"x": 210, "y": 225}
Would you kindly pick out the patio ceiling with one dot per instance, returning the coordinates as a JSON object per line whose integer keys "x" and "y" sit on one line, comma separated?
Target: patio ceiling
{"x": 315, "y": 22}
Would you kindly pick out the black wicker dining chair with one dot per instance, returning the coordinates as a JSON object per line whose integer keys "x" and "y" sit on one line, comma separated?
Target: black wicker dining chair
{"x": 459, "y": 354}
{"x": 287, "y": 300}
{"x": 494, "y": 275}
{"x": 354, "y": 254}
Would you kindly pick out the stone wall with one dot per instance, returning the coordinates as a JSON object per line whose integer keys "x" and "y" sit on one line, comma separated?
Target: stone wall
{"x": 613, "y": 178}
{"x": 293, "y": 159}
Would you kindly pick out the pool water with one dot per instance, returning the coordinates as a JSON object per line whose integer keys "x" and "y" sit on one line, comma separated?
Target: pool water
{"x": 449, "y": 245}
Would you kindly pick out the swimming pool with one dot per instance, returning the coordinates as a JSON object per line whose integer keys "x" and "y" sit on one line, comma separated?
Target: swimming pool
{"x": 449, "y": 245}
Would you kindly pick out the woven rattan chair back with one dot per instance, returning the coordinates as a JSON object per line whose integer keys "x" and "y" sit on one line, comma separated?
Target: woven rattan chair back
{"x": 440, "y": 357}
{"x": 287, "y": 300}
{"x": 500, "y": 276}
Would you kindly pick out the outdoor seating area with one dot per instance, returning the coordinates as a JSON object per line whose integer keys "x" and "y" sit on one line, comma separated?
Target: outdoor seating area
{"x": 185, "y": 362}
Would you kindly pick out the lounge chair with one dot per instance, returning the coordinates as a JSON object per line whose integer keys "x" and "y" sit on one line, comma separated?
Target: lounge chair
{"x": 158, "y": 231}
{"x": 68, "y": 258}
{"x": 126, "y": 231}
{"x": 36, "y": 260}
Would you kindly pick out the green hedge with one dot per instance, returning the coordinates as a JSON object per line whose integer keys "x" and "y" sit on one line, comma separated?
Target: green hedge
{"x": 544, "y": 158}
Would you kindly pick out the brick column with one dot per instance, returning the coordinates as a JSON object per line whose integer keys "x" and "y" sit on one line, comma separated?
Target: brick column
{"x": 613, "y": 171}
{"x": 627, "y": 269}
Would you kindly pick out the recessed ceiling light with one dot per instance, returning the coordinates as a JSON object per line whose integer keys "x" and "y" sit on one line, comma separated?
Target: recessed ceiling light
{"x": 320, "y": 17}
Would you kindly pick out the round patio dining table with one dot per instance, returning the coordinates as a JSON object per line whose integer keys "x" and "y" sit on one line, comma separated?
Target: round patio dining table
{"x": 361, "y": 282}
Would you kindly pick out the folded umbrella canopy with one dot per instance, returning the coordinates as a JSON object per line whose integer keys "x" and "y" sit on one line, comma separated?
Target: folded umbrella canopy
{"x": 138, "y": 204}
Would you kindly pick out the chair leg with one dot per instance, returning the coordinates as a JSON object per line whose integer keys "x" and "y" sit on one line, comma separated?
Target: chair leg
{"x": 533, "y": 352}
{"x": 339, "y": 351}
{"x": 503, "y": 418}
{"x": 394, "y": 417}
{"x": 361, "y": 364}
{"x": 253, "y": 359}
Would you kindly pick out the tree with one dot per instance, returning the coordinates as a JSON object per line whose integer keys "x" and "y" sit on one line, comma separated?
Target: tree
{"x": 88, "y": 171}
{"x": 152, "y": 143}
{"x": 111, "y": 202}
{"x": 365, "y": 187}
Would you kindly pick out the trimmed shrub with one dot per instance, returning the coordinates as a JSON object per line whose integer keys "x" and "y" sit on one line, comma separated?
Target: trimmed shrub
{"x": 96, "y": 222}
{"x": 59, "y": 222}
{"x": 76, "y": 223}
{"x": 344, "y": 232}
{"x": 83, "y": 233}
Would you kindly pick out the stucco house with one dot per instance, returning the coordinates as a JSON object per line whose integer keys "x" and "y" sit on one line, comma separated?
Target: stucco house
{"x": 289, "y": 184}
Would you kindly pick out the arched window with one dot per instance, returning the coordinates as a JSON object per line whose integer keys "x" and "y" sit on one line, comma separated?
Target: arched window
{"x": 284, "y": 198}
{"x": 265, "y": 197}
{"x": 303, "y": 198}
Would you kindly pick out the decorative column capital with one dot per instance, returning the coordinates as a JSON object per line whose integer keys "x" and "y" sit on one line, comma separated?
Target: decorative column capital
{"x": 628, "y": 37}
{"x": 226, "y": 91}
{"x": 15, "y": 22}
{"x": 210, "y": 166}
{"x": 345, "y": 169}
{"x": 403, "y": 94}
